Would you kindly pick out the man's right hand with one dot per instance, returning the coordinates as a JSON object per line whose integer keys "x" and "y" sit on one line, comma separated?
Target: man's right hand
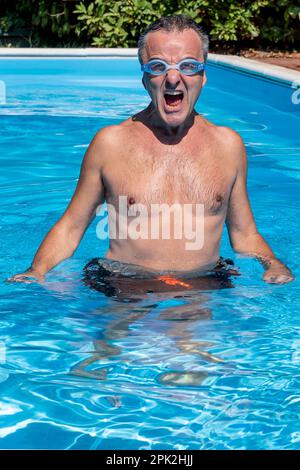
{"x": 27, "y": 277}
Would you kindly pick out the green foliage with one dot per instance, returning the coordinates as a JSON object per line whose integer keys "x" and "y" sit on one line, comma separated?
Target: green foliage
{"x": 225, "y": 20}
{"x": 118, "y": 23}
{"x": 39, "y": 22}
{"x": 281, "y": 22}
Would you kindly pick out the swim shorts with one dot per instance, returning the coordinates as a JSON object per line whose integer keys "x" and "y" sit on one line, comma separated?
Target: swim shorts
{"x": 128, "y": 281}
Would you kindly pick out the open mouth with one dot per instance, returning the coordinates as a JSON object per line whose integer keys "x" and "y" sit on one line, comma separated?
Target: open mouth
{"x": 173, "y": 98}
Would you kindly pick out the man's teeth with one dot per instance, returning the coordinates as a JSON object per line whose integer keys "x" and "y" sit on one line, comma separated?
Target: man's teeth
{"x": 173, "y": 93}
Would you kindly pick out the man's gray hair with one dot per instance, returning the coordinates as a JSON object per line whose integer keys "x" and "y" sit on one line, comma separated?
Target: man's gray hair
{"x": 173, "y": 23}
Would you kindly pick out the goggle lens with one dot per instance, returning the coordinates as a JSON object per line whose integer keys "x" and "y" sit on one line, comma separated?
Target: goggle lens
{"x": 157, "y": 67}
{"x": 187, "y": 67}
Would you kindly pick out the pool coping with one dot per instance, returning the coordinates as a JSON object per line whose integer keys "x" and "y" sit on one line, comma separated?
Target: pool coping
{"x": 249, "y": 66}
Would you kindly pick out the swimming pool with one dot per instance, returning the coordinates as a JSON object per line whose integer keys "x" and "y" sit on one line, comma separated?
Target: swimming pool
{"x": 78, "y": 370}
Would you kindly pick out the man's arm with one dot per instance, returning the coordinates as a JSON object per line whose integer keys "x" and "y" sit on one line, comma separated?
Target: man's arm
{"x": 64, "y": 237}
{"x": 244, "y": 236}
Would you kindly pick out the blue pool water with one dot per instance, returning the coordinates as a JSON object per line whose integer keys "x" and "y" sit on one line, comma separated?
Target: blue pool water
{"x": 78, "y": 370}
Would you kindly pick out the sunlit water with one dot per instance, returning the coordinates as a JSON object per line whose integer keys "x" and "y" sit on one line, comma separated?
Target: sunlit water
{"x": 78, "y": 370}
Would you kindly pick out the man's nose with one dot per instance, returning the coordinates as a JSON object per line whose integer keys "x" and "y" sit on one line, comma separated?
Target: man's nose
{"x": 173, "y": 78}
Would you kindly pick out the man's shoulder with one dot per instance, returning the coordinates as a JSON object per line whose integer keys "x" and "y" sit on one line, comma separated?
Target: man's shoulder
{"x": 229, "y": 136}
{"x": 112, "y": 137}
{"x": 106, "y": 144}
{"x": 223, "y": 135}
{"x": 234, "y": 147}
{"x": 228, "y": 143}
{"x": 229, "y": 140}
{"x": 109, "y": 135}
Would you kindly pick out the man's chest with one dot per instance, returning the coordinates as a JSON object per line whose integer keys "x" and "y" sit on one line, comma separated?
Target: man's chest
{"x": 173, "y": 177}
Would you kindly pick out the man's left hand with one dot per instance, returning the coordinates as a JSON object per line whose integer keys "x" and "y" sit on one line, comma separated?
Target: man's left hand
{"x": 278, "y": 275}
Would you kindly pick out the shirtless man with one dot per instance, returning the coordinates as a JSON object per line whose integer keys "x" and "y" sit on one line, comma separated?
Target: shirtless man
{"x": 165, "y": 154}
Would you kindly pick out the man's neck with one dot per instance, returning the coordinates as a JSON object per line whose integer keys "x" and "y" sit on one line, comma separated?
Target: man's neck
{"x": 165, "y": 132}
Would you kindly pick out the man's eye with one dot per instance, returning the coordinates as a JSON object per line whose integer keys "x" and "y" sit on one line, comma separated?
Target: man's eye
{"x": 158, "y": 67}
{"x": 188, "y": 66}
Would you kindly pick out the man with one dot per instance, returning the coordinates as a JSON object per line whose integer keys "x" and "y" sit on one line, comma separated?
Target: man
{"x": 165, "y": 154}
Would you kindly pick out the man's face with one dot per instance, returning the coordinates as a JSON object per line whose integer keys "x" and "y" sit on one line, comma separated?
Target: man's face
{"x": 172, "y": 47}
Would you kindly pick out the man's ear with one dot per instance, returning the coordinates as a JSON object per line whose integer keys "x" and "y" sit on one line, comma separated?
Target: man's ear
{"x": 204, "y": 79}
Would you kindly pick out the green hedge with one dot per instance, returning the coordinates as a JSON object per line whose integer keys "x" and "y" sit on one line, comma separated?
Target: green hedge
{"x": 107, "y": 23}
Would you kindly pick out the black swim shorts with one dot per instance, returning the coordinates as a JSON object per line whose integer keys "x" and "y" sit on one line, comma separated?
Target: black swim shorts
{"x": 129, "y": 282}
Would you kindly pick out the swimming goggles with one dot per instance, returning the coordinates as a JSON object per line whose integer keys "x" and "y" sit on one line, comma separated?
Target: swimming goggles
{"x": 185, "y": 66}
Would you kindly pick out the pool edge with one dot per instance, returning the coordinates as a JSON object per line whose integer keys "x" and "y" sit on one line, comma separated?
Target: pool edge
{"x": 249, "y": 66}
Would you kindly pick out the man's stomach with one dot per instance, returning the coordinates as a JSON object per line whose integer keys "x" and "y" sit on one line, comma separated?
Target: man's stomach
{"x": 165, "y": 255}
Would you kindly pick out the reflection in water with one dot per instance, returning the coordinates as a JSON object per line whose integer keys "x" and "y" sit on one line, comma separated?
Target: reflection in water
{"x": 146, "y": 295}
{"x": 192, "y": 378}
